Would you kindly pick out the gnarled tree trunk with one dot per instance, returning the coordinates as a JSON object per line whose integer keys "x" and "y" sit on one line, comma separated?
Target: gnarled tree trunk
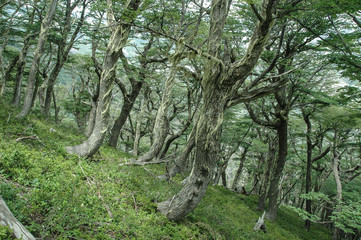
{"x": 161, "y": 125}
{"x": 20, "y": 70}
{"x": 117, "y": 41}
{"x": 45, "y": 25}
{"x": 218, "y": 82}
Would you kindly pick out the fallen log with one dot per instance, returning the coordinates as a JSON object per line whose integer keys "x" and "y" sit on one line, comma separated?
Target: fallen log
{"x": 8, "y": 219}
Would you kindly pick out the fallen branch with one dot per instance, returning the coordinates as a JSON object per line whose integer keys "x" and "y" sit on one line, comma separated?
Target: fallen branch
{"x": 134, "y": 163}
{"x": 34, "y": 137}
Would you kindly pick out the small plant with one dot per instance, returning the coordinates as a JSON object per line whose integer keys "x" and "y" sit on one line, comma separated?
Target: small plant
{"x": 6, "y": 233}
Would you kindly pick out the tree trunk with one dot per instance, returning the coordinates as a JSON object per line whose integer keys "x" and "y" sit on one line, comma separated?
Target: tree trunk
{"x": 93, "y": 111}
{"x": 211, "y": 116}
{"x": 265, "y": 178}
{"x": 45, "y": 25}
{"x": 140, "y": 115}
{"x": 20, "y": 70}
{"x": 8, "y": 219}
{"x": 181, "y": 161}
{"x": 8, "y": 71}
{"x": 308, "y": 168}
{"x": 117, "y": 41}
{"x": 161, "y": 125}
{"x": 281, "y": 160}
{"x": 124, "y": 114}
{"x": 336, "y": 174}
{"x": 217, "y": 83}
{"x": 63, "y": 52}
{"x": 240, "y": 168}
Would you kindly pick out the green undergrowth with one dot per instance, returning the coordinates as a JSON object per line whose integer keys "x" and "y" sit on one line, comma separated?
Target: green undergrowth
{"x": 61, "y": 196}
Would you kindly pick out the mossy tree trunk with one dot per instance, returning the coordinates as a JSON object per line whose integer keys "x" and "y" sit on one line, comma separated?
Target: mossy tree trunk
{"x": 143, "y": 107}
{"x": 161, "y": 125}
{"x": 240, "y": 168}
{"x": 136, "y": 81}
{"x": 119, "y": 35}
{"x": 20, "y": 70}
{"x": 219, "y": 83}
{"x": 64, "y": 48}
{"x": 30, "y": 89}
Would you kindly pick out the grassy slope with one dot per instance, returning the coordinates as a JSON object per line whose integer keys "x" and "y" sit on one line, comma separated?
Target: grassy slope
{"x": 60, "y": 196}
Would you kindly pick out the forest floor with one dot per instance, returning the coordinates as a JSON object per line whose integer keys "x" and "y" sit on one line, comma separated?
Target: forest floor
{"x": 61, "y": 196}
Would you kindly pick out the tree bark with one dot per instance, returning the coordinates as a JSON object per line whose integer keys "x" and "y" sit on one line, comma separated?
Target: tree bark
{"x": 240, "y": 168}
{"x": 336, "y": 175}
{"x": 118, "y": 39}
{"x": 8, "y": 219}
{"x": 45, "y": 25}
{"x": 92, "y": 115}
{"x": 123, "y": 116}
{"x": 63, "y": 52}
{"x": 140, "y": 115}
{"x": 20, "y": 70}
{"x": 161, "y": 125}
{"x": 280, "y": 163}
{"x": 8, "y": 71}
{"x": 181, "y": 161}
{"x": 308, "y": 168}
{"x": 217, "y": 82}
{"x": 265, "y": 178}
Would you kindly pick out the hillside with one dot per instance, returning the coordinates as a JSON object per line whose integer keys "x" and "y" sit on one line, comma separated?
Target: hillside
{"x": 61, "y": 196}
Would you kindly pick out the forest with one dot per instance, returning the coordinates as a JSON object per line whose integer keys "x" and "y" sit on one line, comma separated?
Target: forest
{"x": 182, "y": 119}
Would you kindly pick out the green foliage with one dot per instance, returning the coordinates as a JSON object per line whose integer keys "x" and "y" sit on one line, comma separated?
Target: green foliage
{"x": 6, "y": 233}
{"x": 348, "y": 216}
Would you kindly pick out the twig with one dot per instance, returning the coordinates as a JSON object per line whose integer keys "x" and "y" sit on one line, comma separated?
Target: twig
{"x": 135, "y": 202}
{"x": 133, "y": 163}
{"x": 86, "y": 176}
{"x": 34, "y": 137}
{"x": 150, "y": 172}
{"x": 105, "y": 205}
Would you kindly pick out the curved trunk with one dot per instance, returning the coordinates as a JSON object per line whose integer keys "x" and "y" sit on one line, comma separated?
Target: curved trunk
{"x": 217, "y": 84}
{"x": 124, "y": 114}
{"x": 210, "y": 120}
{"x": 161, "y": 125}
{"x": 140, "y": 115}
{"x": 8, "y": 71}
{"x": 240, "y": 168}
{"x": 118, "y": 39}
{"x": 181, "y": 162}
{"x": 281, "y": 160}
{"x": 20, "y": 71}
{"x": 93, "y": 112}
{"x": 30, "y": 89}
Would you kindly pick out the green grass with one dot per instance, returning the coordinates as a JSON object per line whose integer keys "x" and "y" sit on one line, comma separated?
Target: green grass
{"x": 61, "y": 196}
